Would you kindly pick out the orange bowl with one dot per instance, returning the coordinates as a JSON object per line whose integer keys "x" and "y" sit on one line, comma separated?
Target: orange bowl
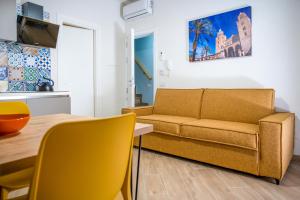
{"x": 12, "y": 123}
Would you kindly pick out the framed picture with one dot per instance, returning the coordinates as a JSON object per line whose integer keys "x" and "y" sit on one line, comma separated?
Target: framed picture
{"x": 220, "y": 36}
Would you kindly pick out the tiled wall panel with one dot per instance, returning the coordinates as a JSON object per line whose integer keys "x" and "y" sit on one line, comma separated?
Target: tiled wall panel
{"x": 22, "y": 66}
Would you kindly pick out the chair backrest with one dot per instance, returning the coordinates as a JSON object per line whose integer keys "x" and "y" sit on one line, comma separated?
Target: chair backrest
{"x": 85, "y": 160}
{"x": 240, "y": 105}
{"x": 180, "y": 102}
{"x": 11, "y": 108}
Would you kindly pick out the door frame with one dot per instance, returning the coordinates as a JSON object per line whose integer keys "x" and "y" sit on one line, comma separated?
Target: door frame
{"x": 145, "y": 33}
{"x": 77, "y": 23}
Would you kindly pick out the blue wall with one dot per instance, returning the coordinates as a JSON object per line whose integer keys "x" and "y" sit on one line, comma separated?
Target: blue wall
{"x": 144, "y": 52}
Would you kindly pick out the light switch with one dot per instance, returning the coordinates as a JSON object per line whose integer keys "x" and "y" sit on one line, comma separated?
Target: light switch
{"x": 162, "y": 56}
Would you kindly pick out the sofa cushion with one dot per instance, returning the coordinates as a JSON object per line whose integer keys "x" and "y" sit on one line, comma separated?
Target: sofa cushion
{"x": 165, "y": 123}
{"x": 223, "y": 132}
{"x": 239, "y": 105}
{"x": 178, "y": 102}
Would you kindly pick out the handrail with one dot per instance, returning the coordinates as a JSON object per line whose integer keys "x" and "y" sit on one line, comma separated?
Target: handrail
{"x": 143, "y": 68}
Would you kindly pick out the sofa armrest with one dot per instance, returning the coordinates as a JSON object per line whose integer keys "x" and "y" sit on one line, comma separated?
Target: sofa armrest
{"x": 276, "y": 140}
{"x": 139, "y": 111}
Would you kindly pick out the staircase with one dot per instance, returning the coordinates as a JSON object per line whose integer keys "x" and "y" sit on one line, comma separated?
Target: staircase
{"x": 139, "y": 100}
{"x": 139, "y": 97}
{"x": 143, "y": 68}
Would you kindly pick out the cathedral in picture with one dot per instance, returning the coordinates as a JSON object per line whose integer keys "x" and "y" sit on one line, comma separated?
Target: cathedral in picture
{"x": 237, "y": 45}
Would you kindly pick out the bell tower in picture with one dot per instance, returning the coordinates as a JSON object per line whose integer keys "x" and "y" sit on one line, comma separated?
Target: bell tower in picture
{"x": 244, "y": 29}
{"x": 220, "y": 41}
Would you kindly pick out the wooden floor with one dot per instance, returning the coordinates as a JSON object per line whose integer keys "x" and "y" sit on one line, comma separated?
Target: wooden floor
{"x": 165, "y": 177}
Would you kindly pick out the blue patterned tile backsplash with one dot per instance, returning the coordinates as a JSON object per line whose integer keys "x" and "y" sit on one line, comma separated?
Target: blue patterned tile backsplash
{"x": 3, "y": 73}
{"x": 15, "y": 59}
{"x": 16, "y": 86}
{"x": 22, "y": 66}
{"x": 19, "y": 9}
{"x": 30, "y": 61}
{"x": 31, "y": 74}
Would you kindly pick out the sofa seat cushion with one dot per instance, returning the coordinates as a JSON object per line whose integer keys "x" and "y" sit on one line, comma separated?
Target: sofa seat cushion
{"x": 224, "y": 132}
{"x": 167, "y": 124}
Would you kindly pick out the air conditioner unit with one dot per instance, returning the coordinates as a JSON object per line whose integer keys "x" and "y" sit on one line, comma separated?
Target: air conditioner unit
{"x": 137, "y": 9}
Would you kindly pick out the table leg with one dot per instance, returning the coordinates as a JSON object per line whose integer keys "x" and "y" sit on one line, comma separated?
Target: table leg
{"x": 138, "y": 168}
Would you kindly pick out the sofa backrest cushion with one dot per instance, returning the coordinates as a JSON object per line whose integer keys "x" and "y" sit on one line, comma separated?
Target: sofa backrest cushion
{"x": 179, "y": 102}
{"x": 240, "y": 105}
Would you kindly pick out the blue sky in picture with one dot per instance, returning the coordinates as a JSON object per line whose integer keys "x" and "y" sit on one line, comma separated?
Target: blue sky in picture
{"x": 225, "y": 21}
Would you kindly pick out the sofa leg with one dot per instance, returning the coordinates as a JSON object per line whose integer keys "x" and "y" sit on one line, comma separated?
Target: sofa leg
{"x": 277, "y": 181}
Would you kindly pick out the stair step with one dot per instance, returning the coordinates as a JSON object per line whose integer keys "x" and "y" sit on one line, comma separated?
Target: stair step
{"x": 139, "y": 100}
{"x": 141, "y": 104}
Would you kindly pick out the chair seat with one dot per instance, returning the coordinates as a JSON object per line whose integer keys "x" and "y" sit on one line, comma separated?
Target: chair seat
{"x": 167, "y": 124}
{"x": 224, "y": 132}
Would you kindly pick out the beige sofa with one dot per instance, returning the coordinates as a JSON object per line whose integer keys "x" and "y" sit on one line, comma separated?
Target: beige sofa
{"x": 232, "y": 128}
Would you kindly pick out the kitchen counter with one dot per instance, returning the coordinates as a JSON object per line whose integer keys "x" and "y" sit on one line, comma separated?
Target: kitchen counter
{"x": 41, "y": 103}
{"x": 32, "y": 95}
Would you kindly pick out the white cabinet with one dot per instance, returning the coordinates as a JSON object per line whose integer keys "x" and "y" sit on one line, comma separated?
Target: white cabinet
{"x": 49, "y": 105}
{"x": 8, "y": 20}
{"x": 42, "y": 103}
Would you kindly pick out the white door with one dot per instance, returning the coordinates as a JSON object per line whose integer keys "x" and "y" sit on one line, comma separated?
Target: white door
{"x": 76, "y": 68}
{"x": 130, "y": 69}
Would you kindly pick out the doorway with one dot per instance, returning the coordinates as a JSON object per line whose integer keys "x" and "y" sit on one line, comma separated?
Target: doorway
{"x": 144, "y": 70}
{"x": 76, "y": 68}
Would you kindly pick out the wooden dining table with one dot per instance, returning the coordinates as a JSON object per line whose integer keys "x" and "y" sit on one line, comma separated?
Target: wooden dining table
{"x": 20, "y": 150}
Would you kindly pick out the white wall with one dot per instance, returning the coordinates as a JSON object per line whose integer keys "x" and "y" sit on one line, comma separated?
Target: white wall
{"x": 111, "y": 52}
{"x": 275, "y": 61}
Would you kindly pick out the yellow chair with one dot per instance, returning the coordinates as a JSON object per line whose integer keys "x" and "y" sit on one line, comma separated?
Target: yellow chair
{"x": 82, "y": 160}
